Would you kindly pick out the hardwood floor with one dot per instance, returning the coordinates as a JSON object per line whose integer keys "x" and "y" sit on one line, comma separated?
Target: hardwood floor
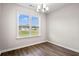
{"x": 43, "y": 49}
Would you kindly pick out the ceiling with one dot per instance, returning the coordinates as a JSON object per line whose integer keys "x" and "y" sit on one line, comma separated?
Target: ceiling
{"x": 52, "y": 6}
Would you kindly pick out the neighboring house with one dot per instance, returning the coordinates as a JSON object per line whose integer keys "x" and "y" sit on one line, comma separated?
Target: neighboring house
{"x": 23, "y": 28}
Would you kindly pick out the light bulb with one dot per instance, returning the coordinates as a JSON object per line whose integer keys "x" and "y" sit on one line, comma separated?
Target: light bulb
{"x": 44, "y": 5}
{"x": 37, "y": 10}
{"x": 38, "y": 7}
{"x": 47, "y": 8}
{"x": 43, "y": 10}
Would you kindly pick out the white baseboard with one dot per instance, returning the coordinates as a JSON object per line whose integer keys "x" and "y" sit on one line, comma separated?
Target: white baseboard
{"x": 2, "y": 51}
{"x": 64, "y": 46}
{"x": 10, "y": 49}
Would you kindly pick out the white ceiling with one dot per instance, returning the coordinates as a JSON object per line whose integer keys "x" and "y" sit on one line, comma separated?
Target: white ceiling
{"x": 52, "y": 6}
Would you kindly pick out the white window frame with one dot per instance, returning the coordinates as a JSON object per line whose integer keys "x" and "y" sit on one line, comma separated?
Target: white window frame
{"x": 30, "y": 25}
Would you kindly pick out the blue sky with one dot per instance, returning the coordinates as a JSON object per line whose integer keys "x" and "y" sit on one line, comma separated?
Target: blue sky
{"x": 23, "y": 20}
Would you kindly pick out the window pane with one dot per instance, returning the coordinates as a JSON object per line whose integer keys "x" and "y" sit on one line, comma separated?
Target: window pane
{"x": 23, "y": 26}
{"x": 35, "y": 26}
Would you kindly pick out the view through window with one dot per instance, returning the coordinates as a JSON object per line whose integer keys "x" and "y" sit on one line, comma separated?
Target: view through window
{"x": 28, "y": 26}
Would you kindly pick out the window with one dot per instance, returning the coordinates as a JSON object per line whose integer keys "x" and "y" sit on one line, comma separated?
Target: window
{"x": 28, "y": 26}
{"x": 35, "y": 26}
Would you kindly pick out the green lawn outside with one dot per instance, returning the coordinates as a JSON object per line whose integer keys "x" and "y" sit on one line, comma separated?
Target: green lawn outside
{"x": 23, "y": 33}
{"x": 35, "y": 32}
{"x": 26, "y": 33}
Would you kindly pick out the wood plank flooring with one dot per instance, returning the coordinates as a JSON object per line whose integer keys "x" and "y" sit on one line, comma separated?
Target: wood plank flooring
{"x": 43, "y": 49}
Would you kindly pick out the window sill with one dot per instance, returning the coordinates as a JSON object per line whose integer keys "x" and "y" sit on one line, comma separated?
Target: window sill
{"x": 26, "y": 37}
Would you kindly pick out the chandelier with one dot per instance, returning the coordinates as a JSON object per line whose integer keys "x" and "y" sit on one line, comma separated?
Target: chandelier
{"x": 42, "y": 8}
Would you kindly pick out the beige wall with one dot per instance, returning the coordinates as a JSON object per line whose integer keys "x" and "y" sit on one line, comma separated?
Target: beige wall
{"x": 0, "y": 26}
{"x": 8, "y": 25}
{"x": 63, "y": 27}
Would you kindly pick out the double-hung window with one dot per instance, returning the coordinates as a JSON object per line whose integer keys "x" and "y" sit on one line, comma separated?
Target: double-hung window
{"x": 28, "y": 26}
